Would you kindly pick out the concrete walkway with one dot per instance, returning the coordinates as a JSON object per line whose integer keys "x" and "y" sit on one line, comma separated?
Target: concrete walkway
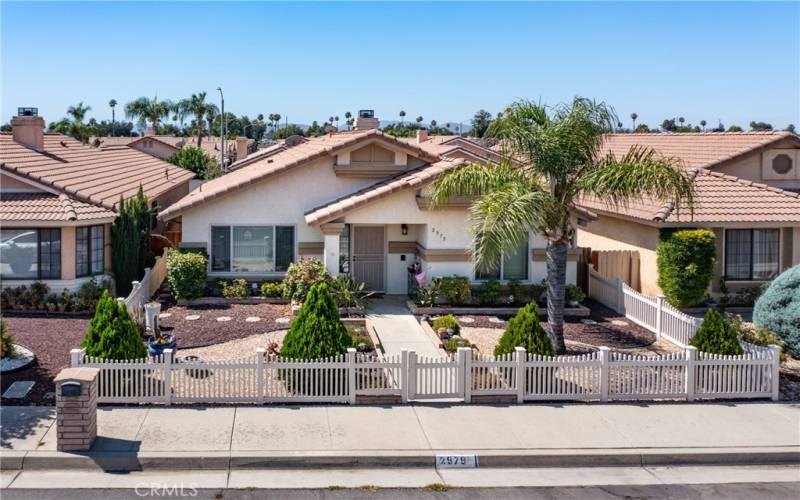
{"x": 568, "y": 435}
{"x": 397, "y": 328}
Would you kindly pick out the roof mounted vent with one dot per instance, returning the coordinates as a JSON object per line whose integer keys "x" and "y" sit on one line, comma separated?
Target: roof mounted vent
{"x": 366, "y": 113}
{"x": 27, "y": 111}
{"x": 366, "y": 120}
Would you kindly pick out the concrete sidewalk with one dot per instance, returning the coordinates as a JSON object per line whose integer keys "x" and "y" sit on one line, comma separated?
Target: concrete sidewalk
{"x": 568, "y": 435}
{"x": 397, "y": 328}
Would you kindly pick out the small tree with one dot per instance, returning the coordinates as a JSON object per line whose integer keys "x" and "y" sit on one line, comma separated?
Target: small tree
{"x": 187, "y": 273}
{"x": 112, "y": 334}
{"x": 524, "y": 330}
{"x": 130, "y": 234}
{"x": 317, "y": 331}
{"x": 716, "y": 335}
{"x": 778, "y": 309}
{"x": 685, "y": 261}
{"x": 194, "y": 159}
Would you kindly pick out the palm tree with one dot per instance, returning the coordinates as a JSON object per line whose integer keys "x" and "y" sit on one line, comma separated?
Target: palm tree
{"x": 634, "y": 116}
{"x": 681, "y": 120}
{"x": 419, "y": 120}
{"x": 347, "y": 116}
{"x": 703, "y": 124}
{"x": 112, "y": 104}
{"x": 277, "y": 120}
{"x": 196, "y": 105}
{"x": 558, "y": 162}
{"x": 145, "y": 109}
{"x": 402, "y": 115}
{"x": 433, "y": 124}
{"x": 337, "y": 121}
{"x": 78, "y": 113}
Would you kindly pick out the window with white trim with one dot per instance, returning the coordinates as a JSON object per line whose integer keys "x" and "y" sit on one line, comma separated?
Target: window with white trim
{"x": 752, "y": 254}
{"x": 252, "y": 249}
{"x": 30, "y": 253}
{"x": 513, "y": 266}
{"x": 89, "y": 250}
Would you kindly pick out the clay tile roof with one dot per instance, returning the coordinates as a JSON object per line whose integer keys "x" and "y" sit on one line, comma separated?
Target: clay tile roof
{"x": 37, "y": 207}
{"x": 210, "y": 145}
{"x": 697, "y": 150}
{"x": 719, "y": 198}
{"x": 264, "y": 168}
{"x": 92, "y": 175}
{"x": 442, "y": 145}
{"x": 409, "y": 179}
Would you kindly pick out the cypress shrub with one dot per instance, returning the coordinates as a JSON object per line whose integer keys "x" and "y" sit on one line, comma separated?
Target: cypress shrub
{"x": 6, "y": 341}
{"x": 187, "y": 273}
{"x": 685, "y": 261}
{"x": 524, "y": 330}
{"x": 716, "y": 335}
{"x": 778, "y": 309}
{"x": 130, "y": 236}
{"x": 112, "y": 334}
{"x": 316, "y": 332}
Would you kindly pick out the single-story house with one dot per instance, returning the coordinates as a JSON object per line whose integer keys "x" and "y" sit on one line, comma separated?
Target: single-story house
{"x": 58, "y": 198}
{"x": 164, "y": 146}
{"x": 357, "y": 200}
{"x": 747, "y": 187}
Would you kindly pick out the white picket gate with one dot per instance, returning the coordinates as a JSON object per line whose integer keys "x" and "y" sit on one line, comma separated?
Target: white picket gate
{"x": 601, "y": 375}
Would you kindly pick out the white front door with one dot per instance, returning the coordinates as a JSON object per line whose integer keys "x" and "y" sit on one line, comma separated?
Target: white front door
{"x": 369, "y": 256}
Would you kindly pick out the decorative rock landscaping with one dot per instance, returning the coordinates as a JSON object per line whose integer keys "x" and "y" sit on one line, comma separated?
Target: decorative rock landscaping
{"x": 23, "y": 357}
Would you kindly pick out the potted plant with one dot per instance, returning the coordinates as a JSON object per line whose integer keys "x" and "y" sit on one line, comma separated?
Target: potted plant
{"x": 158, "y": 341}
{"x": 152, "y": 310}
{"x": 574, "y": 295}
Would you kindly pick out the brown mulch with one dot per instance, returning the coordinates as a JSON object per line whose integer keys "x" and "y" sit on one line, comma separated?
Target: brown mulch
{"x": 207, "y": 330}
{"x": 51, "y": 339}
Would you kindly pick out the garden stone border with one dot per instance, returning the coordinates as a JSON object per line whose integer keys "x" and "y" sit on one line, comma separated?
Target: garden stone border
{"x": 43, "y": 314}
{"x": 579, "y": 312}
{"x": 210, "y": 301}
{"x": 25, "y": 358}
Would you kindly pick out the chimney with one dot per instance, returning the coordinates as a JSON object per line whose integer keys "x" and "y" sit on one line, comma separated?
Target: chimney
{"x": 366, "y": 120}
{"x": 241, "y": 148}
{"x": 422, "y": 135}
{"x": 28, "y": 128}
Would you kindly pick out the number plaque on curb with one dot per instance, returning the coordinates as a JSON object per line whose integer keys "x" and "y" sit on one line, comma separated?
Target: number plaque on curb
{"x": 457, "y": 461}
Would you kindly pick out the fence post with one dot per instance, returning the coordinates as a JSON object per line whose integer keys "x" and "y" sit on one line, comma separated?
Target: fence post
{"x": 411, "y": 389}
{"x": 776, "y": 371}
{"x": 520, "y": 356}
{"x": 461, "y": 378}
{"x": 166, "y": 359}
{"x": 660, "y": 309}
{"x": 404, "y": 375}
{"x": 620, "y": 296}
{"x": 691, "y": 383}
{"x": 351, "y": 374}
{"x": 260, "y": 352}
{"x": 605, "y": 374}
{"x": 75, "y": 356}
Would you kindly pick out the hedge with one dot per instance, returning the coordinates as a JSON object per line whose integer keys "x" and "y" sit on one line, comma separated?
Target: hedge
{"x": 187, "y": 274}
{"x": 778, "y": 309}
{"x": 685, "y": 260}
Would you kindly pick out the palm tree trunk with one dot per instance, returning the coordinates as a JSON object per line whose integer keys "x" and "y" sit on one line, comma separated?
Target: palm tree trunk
{"x": 556, "y": 284}
{"x": 199, "y": 130}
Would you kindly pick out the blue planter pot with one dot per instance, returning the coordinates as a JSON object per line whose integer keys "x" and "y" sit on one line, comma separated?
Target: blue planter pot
{"x": 158, "y": 350}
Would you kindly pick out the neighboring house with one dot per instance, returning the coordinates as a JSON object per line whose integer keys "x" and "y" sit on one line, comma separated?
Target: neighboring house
{"x": 356, "y": 200}
{"x": 164, "y": 146}
{"x": 58, "y": 198}
{"x": 746, "y": 191}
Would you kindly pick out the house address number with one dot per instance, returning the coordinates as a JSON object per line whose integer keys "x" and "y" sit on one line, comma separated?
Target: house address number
{"x": 457, "y": 461}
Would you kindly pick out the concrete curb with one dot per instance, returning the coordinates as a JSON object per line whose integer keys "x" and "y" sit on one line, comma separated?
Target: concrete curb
{"x": 223, "y": 460}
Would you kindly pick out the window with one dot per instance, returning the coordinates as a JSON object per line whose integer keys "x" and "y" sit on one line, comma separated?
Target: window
{"x": 89, "y": 250}
{"x": 344, "y": 250}
{"x": 512, "y": 267}
{"x": 30, "y": 253}
{"x": 252, "y": 249}
{"x": 752, "y": 254}
{"x": 782, "y": 164}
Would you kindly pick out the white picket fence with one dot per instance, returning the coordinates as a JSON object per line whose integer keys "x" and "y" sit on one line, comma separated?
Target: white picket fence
{"x": 652, "y": 313}
{"x": 143, "y": 290}
{"x": 520, "y": 376}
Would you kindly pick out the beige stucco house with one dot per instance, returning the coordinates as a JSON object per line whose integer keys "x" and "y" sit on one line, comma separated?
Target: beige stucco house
{"x": 355, "y": 200}
{"x": 164, "y": 146}
{"x": 746, "y": 191}
{"x": 58, "y": 198}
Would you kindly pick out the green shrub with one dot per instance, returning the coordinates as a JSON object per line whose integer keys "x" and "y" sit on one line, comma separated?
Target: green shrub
{"x": 752, "y": 334}
{"x": 453, "y": 343}
{"x": 455, "y": 290}
{"x": 316, "y": 332}
{"x": 449, "y": 322}
{"x": 716, "y": 335}
{"x": 38, "y": 294}
{"x": 187, "y": 274}
{"x": 6, "y": 341}
{"x": 112, "y": 334}
{"x": 574, "y": 293}
{"x": 778, "y": 309}
{"x": 685, "y": 261}
{"x": 427, "y": 295}
{"x": 303, "y": 275}
{"x": 362, "y": 342}
{"x": 348, "y": 292}
{"x": 195, "y": 160}
{"x": 489, "y": 292}
{"x": 524, "y": 330}
{"x": 273, "y": 289}
{"x": 236, "y": 289}
{"x": 130, "y": 236}
{"x": 89, "y": 293}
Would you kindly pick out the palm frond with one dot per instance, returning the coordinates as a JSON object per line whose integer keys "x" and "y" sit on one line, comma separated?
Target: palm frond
{"x": 475, "y": 179}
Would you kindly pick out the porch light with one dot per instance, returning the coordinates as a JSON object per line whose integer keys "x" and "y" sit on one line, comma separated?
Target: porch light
{"x": 404, "y": 229}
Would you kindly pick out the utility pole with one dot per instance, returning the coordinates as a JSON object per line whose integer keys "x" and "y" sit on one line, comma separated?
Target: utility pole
{"x": 222, "y": 130}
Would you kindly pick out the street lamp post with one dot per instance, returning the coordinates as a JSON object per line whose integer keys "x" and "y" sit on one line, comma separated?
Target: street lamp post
{"x": 222, "y": 130}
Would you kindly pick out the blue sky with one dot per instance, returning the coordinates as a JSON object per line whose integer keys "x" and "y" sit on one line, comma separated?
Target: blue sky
{"x": 731, "y": 61}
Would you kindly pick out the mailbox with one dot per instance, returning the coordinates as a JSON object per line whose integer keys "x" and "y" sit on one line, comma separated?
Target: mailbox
{"x": 70, "y": 389}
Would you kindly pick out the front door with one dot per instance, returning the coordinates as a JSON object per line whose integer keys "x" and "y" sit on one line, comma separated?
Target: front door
{"x": 369, "y": 258}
